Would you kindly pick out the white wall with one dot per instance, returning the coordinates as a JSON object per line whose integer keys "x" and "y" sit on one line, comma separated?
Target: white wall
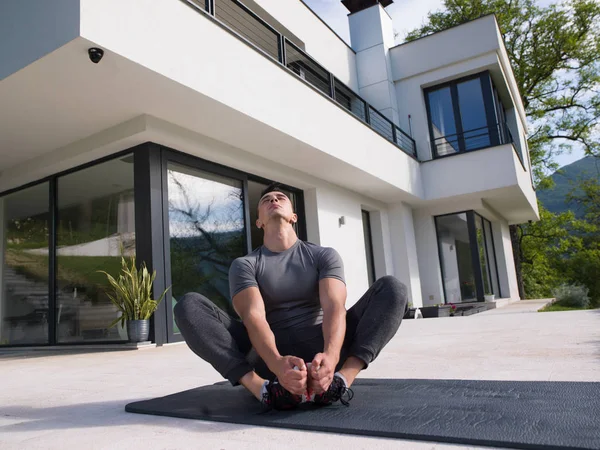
{"x": 311, "y": 208}
{"x": 404, "y": 250}
{"x": 428, "y": 256}
{"x": 469, "y": 172}
{"x": 347, "y": 239}
{"x": 268, "y": 100}
{"x": 372, "y": 35}
{"x": 3, "y": 298}
{"x": 30, "y": 29}
{"x": 382, "y": 243}
{"x": 445, "y": 48}
{"x": 506, "y": 263}
{"x": 321, "y": 42}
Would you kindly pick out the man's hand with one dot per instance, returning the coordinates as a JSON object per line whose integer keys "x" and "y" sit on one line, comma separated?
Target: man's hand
{"x": 294, "y": 380}
{"x": 321, "y": 372}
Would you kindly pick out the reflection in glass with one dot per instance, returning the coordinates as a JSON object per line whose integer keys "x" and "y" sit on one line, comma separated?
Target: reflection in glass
{"x": 491, "y": 257}
{"x": 24, "y": 228}
{"x": 483, "y": 257}
{"x": 442, "y": 121}
{"x": 472, "y": 113}
{"x": 206, "y": 233}
{"x": 455, "y": 252}
{"x": 95, "y": 225}
{"x": 366, "y": 220}
{"x": 254, "y": 190}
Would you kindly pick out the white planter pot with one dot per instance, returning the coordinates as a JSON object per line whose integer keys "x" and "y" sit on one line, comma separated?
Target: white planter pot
{"x": 489, "y": 298}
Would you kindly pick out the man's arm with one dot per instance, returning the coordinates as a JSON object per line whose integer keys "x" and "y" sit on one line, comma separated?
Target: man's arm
{"x": 250, "y": 306}
{"x": 332, "y": 293}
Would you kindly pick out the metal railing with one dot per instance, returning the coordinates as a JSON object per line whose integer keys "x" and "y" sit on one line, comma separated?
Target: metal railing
{"x": 242, "y": 20}
{"x": 474, "y": 139}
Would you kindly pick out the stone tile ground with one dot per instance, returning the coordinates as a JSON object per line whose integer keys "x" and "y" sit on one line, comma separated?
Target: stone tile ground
{"x": 77, "y": 400}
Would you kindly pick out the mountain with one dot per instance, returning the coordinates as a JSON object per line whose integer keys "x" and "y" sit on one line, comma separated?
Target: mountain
{"x": 565, "y": 179}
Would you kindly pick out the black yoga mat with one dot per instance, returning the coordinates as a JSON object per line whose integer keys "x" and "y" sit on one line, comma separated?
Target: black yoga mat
{"x": 515, "y": 414}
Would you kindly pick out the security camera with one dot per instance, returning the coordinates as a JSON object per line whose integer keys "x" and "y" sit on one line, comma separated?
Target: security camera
{"x": 96, "y": 54}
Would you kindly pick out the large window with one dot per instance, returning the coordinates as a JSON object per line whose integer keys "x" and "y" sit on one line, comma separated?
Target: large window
{"x": 467, "y": 257}
{"x": 193, "y": 218}
{"x": 209, "y": 219}
{"x": 465, "y": 115}
{"x": 95, "y": 226}
{"x": 54, "y": 238}
{"x": 24, "y": 270}
{"x": 206, "y": 233}
{"x": 366, "y": 221}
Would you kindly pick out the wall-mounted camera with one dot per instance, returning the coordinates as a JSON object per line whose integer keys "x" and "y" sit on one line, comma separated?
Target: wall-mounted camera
{"x": 95, "y": 54}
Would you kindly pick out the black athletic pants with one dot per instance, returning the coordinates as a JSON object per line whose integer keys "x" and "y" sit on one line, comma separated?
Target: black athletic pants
{"x": 223, "y": 341}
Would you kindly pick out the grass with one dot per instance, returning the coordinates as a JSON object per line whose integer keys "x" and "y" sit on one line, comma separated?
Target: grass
{"x": 75, "y": 271}
{"x": 553, "y": 307}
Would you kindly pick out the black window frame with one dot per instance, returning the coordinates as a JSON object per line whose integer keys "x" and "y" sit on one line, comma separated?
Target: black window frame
{"x": 475, "y": 261}
{"x": 151, "y": 222}
{"x": 155, "y": 211}
{"x": 368, "y": 232}
{"x": 52, "y": 181}
{"x": 494, "y": 125}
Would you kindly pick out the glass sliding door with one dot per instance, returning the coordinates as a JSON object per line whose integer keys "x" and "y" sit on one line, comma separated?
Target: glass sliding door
{"x": 454, "y": 243}
{"x": 476, "y": 133}
{"x": 487, "y": 253}
{"x": 467, "y": 257}
{"x": 95, "y": 227}
{"x": 366, "y": 220}
{"x": 206, "y": 232}
{"x": 483, "y": 256}
{"x": 24, "y": 266}
{"x": 443, "y": 121}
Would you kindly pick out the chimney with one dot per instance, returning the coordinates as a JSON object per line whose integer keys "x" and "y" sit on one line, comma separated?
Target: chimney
{"x": 372, "y": 36}
{"x": 358, "y": 5}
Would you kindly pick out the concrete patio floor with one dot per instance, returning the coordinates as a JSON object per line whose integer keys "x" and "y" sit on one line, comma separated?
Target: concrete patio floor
{"x": 76, "y": 400}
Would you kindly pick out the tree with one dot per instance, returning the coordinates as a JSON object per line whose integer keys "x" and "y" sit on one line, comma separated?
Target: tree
{"x": 555, "y": 56}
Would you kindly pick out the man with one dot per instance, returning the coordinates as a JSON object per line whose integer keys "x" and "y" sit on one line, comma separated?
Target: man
{"x": 295, "y": 342}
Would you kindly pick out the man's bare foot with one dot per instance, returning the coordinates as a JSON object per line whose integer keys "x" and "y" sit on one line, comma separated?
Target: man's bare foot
{"x": 351, "y": 368}
{"x": 253, "y": 383}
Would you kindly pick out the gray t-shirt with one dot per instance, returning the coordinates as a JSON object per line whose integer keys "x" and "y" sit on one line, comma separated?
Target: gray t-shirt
{"x": 288, "y": 281}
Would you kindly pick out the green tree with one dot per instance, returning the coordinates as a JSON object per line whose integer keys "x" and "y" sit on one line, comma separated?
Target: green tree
{"x": 543, "y": 245}
{"x": 555, "y": 56}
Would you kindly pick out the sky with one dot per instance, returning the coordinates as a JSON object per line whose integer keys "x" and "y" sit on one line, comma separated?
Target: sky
{"x": 406, "y": 15}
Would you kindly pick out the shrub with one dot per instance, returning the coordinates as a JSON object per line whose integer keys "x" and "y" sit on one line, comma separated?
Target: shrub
{"x": 572, "y": 295}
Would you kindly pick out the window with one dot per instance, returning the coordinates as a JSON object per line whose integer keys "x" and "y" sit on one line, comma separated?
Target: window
{"x": 366, "y": 220}
{"x": 54, "y": 238}
{"x": 209, "y": 216}
{"x": 465, "y": 115}
{"x": 24, "y": 271}
{"x": 206, "y": 233}
{"x": 95, "y": 226}
{"x": 467, "y": 257}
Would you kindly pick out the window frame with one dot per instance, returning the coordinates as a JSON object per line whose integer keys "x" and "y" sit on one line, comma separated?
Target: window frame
{"x": 475, "y": 261}
{"x": 487, "y": 89}
{"x": 52, "y": 181}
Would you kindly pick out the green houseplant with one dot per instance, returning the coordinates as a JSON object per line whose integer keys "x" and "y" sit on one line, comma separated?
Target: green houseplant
{"x": 132, "y": 294}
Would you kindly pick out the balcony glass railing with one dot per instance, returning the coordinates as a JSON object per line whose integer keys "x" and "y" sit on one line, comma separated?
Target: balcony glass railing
{"x": 242, "y": 20}
{"x": 474, "y": 139}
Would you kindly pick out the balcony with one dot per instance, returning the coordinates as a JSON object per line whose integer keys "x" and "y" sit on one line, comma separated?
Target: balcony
{"x": 252, "y": 29}
{"x": 475, "y": 139}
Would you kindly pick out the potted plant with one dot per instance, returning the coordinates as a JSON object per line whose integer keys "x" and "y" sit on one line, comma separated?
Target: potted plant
{"x": 132, "y": 295}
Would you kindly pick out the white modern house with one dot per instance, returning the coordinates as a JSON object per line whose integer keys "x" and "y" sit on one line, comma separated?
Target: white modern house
{"x": 154, "y": 125}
